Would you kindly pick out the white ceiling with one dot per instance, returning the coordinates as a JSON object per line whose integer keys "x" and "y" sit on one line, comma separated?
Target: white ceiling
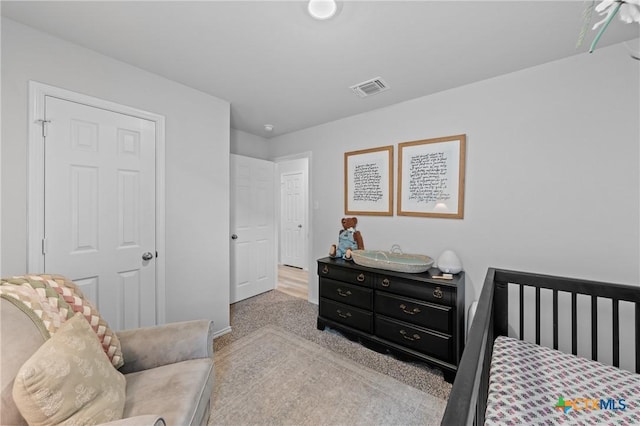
{"x": 277, "y": 65}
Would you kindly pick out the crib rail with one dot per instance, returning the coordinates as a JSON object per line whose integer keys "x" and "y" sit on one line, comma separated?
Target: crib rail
{"x": 467, "y": 401}
{"x": 615, "y": 293}
{"x": 468, "y": 397}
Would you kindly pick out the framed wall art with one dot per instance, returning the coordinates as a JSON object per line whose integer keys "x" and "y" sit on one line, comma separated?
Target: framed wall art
{"x": 431, "y": 177}
{"x": 368, "y": 182}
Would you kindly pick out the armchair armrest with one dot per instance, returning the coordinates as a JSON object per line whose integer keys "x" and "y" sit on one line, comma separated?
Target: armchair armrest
{"x": 150, "y": 347}
{"x": 146, "y": 419}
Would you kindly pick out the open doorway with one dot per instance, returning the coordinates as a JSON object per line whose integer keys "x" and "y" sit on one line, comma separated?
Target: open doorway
{"x": 293, "y": 225}
{"x": 293, "y": 281}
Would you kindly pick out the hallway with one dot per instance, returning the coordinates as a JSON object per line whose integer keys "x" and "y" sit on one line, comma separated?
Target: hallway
{"x": 293, "y": 281}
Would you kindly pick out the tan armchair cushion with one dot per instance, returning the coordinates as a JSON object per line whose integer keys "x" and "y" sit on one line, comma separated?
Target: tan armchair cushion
{"x": 69, "y": 379}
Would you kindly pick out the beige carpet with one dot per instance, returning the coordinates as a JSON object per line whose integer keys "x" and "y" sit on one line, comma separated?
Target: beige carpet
{"x": 273, "y": 377}
{"x": 299, "y": 317}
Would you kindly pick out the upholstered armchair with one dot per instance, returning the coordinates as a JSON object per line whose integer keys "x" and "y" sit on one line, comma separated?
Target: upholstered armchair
{"x": 167, "y": 375}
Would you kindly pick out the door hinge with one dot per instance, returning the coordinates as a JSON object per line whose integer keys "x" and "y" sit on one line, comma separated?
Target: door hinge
{"x": 45, "y": 246}
{"x": 44, "y": 123}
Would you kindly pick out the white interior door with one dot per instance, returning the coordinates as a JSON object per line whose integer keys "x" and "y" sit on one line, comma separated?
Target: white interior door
{"x": 100, "y": 216}
{"x": 252, "y": 251}
{"x": 293, "y": 228}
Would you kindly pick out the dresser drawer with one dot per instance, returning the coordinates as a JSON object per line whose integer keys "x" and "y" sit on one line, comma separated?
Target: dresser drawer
{"x": 416, "y": 289}
{"x": 347, "y": 275}
{"x": 417, "y": 338}
{"x": 425, "y": 314}
{"x": 347, "y": 315}
{"x": 353, "y": 295}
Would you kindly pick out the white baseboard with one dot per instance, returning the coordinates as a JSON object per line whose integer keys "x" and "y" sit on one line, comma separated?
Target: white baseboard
{"x": 222, "y": 332}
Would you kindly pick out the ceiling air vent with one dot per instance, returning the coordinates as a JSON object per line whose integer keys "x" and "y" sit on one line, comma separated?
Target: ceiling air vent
{"x": 370, "y": 87}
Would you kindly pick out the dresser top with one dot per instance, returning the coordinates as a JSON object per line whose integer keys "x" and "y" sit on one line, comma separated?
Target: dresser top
{"x": 423, "y": 276}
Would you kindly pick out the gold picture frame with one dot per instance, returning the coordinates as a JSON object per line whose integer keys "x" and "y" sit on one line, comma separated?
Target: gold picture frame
{"x": 368, "y": 182}
{"x": 431, "y": 177}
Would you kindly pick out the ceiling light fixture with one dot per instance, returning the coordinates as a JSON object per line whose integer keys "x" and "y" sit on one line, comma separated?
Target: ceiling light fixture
{"x": 268, "y": 127}
{"x": 322, "y": 9}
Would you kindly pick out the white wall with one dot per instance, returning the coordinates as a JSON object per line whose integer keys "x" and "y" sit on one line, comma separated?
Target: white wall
{"x": 551, "y": 176}
{"x": 197, "y": 162}
{"x": 248, "y": 145}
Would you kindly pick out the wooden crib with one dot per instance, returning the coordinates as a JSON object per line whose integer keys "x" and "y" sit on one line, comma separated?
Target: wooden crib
{"x": 468, "y": 399}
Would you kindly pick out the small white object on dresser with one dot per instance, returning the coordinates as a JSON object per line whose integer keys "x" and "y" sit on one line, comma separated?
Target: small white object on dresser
{"x": 449, "y": 262}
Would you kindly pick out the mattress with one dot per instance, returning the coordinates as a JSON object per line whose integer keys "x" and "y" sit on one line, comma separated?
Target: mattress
{"x": 535, "y": 385}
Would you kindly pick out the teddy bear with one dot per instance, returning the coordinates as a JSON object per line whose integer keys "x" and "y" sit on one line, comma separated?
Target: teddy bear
{"x": 348, "y": 239}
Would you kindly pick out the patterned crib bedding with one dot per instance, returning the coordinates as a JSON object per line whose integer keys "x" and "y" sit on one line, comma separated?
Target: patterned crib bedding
{"x": 535, "y": 385}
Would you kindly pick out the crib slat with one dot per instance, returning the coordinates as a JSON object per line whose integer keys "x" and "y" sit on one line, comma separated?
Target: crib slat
{"x": 616, "y": 334}
{"x": 594, "y": 328}
{"x": 555, "y": 319}
{"x": 574, "y": 324}
{"x": 637, "y": 330}
{"x": 537, "y": 315}
{"x": 521, "y": 290}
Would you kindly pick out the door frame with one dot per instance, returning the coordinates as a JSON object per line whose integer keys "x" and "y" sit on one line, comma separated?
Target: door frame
{"x": 35, "y": 186}
{"x": 308, "y": 261}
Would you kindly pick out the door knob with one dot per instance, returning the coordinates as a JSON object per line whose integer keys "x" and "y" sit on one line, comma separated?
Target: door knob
{"x": 234, "y": 237}
{"x": 299, "y": 226}
{"x": 147, "y": 256}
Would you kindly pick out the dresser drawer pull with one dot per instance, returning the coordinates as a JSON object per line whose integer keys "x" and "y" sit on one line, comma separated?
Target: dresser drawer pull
{"x": 412, "y": 338}
{"x": 325, "y": 270}
{"x": 343, "y": 293}
{"x": 437, "y": 293}
{"x": 412, "y": 312}
{"x": 360, "y": 278}
{"x": 340, "y": 314}
{"x": 386, "y": 282}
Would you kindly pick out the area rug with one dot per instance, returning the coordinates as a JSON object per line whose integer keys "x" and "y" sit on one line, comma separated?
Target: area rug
{"x": 273, "y": 377}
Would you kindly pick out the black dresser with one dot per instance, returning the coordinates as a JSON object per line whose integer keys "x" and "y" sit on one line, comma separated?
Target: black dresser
{"x": 412, "y": 316}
